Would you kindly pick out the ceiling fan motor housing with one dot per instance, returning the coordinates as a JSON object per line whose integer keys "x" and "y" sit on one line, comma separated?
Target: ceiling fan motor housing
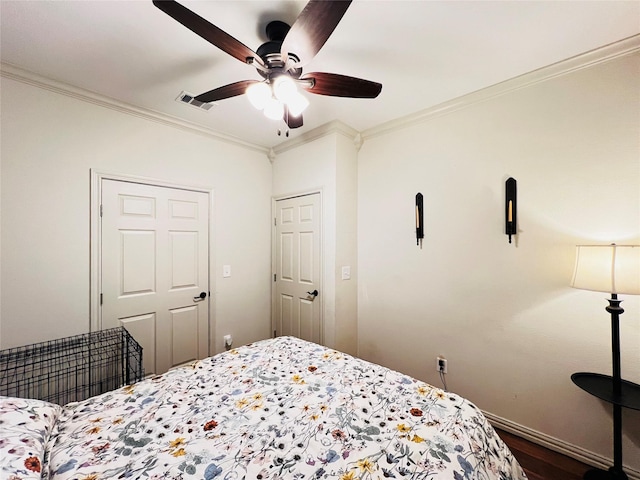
{"x": 277, "y": 30}
{"x": 270, "y": 51}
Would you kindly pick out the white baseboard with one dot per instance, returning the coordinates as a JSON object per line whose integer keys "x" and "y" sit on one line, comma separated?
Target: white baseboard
{"x": 560, "y": 446}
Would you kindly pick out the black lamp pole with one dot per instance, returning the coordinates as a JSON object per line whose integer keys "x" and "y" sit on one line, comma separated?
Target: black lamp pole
{"x": 615, "y": 472}
{"x": 618, "y": 267}
{"x": 616, "y": 310}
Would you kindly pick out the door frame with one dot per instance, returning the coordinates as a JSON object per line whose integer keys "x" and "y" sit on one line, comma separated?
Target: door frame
{"x": 274, "y": 201}
{"x": 95, "y": 243}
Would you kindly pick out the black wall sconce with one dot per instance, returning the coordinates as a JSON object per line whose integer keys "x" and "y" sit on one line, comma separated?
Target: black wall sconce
{"x": 419, "y": 220}
{"x": 511, "y": 207}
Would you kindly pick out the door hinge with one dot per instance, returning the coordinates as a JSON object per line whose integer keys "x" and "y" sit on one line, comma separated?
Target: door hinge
{"x": 100, "y": 299}
{"x": 100, "y": 209}
{"x": 274, "y": 334}
{"x": 275, "y": 222}
{"x": 274, "y": 277}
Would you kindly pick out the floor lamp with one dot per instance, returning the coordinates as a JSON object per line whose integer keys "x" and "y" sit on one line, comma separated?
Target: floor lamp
{"x": 613, "y": 269}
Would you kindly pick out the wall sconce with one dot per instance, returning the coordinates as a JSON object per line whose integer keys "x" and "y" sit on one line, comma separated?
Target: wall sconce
{"x": 511, "y": 207}
{"x": 419, "y": 220}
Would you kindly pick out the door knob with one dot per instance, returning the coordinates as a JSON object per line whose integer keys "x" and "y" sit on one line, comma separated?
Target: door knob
{"x": 200, "y": 297}
{"x": 314, "y": 293}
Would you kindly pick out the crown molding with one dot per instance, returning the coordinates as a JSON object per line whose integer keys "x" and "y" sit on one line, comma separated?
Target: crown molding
{"x": 627, "y": 46}
{"x": 18, "y": 74}
{"x": 333, "y": 127}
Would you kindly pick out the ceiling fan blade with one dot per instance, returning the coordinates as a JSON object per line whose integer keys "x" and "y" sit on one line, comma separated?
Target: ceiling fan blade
{"x": 292, "y": 122}
{"x": 336, "y": 85}
{"x": 312, "y": 28}
{"x": 207, "y": 30}
{"x": 226, "y": 91}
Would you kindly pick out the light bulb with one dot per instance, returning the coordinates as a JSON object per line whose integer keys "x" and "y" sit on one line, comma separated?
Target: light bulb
{"x": 258, "y": 94}
{"x": 284, "y": 88}
{"x": 297, "y": 104}
{"x": 274, "y": 109}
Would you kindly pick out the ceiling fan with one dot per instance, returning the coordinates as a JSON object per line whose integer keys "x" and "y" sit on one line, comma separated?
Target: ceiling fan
{"x": 280, "y": 60}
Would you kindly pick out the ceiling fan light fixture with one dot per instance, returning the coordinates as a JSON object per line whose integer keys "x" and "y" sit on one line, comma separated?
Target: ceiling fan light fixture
{"x": 284, "y": 88}
{"x": 297, "y": 104}
{"x": 259, "y": 95}
{"x": 274, "y": 109}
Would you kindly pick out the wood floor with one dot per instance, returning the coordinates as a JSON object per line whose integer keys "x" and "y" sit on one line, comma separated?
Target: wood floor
{"x": 540, "y": 463}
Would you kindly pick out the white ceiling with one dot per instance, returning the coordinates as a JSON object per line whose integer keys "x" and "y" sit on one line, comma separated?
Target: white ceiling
{"x": 423, "y": 52}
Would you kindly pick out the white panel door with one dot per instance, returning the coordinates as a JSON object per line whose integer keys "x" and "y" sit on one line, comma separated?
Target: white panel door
{"x": 297, "y": 268}
{"x": 154, "y": 266}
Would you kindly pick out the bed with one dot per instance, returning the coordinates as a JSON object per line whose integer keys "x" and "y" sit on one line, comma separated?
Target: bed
{"x": 281, "y": 408}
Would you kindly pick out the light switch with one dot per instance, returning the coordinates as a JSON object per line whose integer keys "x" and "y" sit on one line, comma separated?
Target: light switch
{"x": 346, "y": 273}
{"x": 226, "y": 271}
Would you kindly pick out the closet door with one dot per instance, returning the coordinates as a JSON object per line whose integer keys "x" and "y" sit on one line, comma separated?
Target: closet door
{"x": 155, "y": 270}
{"x": 297, "y": 268}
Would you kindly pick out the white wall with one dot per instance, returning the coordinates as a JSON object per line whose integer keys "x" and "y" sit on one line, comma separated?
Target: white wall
{"x": 503, "y": 315}
{"x": 49, "y": 144}
{"x": 346, "y": 244}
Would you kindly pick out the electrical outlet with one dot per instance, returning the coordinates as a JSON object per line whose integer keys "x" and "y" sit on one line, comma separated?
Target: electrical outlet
{"x": 228, "y": 341}
{"x": 441, "y": 364}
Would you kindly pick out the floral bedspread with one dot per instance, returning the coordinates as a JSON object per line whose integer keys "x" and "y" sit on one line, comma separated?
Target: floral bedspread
{"x": 278, "y": 409}
{"x": 25, "y": 429}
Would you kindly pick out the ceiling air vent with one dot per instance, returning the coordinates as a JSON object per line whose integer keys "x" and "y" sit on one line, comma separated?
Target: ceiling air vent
{"x": 189, "y": 99}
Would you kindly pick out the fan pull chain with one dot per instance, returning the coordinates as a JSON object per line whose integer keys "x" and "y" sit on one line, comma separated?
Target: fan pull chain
{"x": 286, "y": 133}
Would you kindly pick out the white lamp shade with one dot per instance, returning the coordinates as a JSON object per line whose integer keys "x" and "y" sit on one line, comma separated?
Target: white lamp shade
{"x": 607, "y": 268}
{"x": 284, "y": 88}
{"x": 259, "y": 94}
{"x": 274, "y": 109}
{"x": 297, "y": 104}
